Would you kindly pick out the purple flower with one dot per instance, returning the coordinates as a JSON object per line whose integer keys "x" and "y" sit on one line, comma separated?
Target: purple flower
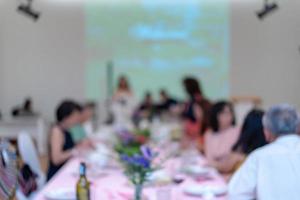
{"x": 137, "y": 160}
{"x": 125, "y": 136}
{"x": 146, "y": 152}
{"x": 141, "y": 161}
{"x": 125, "y": 158}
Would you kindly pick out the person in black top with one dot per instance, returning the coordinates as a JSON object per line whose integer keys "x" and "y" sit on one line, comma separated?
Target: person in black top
{"x": 62, "y": 146}
{"x": 166, "y": 102}
{"x": 196, "y": 112}
{"x": 146, "y": 109}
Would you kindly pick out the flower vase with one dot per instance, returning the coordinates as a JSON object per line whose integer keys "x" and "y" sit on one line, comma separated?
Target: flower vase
{"x": 138, "y": 192}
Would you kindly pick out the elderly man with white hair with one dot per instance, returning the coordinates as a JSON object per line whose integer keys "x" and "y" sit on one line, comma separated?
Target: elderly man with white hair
{"x": 273, "y": 171}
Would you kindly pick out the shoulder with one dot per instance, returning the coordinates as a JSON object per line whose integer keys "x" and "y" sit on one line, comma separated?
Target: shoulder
{"x": 56, "y": 128}
{"x": 205, "y": 102}
{"x": 56, "y": 131}
{"x": 209, "y": 134}
{"x": 234, "y": 131}
{"x": 262, "y": 152}
{"x": 236, "y": 128}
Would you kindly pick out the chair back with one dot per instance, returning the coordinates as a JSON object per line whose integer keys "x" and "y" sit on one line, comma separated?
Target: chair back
{"x": 243, "y": 104}
{"x": 29, "y": 155}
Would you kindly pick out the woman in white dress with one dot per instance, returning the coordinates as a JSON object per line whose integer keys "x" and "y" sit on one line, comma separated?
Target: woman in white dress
{"x": 123, "y": 103}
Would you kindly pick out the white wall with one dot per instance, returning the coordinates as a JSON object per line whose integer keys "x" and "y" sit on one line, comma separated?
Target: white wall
{"x": 1, "y": 64}
{"x": 44, "y": 60}
{"x": 264, "y": 54}
{"x": 37, "y": 59}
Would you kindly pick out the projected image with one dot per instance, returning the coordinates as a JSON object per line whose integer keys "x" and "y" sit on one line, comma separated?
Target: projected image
{"x": 156, "y": 43}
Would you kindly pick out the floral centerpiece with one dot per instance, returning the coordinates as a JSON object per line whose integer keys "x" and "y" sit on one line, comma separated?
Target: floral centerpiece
{"x": 129, "y": 142}
{"x": 136, "y": 158}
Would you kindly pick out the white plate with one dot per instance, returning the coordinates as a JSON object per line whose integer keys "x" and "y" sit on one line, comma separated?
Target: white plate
{"x": 203, "y": 190}
{"x": 160, "y": 177}
{"x": 197, "y": 170}
{"x": 97, "y": 158}
{"x": 61, "y": 194}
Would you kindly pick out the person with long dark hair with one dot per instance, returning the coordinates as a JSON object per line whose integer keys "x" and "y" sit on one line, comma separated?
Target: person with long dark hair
{"x": 251, "y": 137}
{"x": 252, "y": 133}
{"x": 223, "y": 133}
{"x": 196, "y": 111}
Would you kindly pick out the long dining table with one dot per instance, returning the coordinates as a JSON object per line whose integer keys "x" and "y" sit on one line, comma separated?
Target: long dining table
{"x": 110, "y": 183}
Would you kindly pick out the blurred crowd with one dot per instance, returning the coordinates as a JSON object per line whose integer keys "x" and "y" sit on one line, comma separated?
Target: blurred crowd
{"x": 209, "y": 126}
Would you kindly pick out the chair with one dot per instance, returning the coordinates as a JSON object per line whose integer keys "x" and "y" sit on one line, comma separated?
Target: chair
{"x": 243, "y": 104}
{"x": 29, "y": 155}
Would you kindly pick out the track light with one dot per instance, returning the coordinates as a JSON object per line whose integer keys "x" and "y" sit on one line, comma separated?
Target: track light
{"x": 27, "y": 10}
{"x": 267, "y": 9}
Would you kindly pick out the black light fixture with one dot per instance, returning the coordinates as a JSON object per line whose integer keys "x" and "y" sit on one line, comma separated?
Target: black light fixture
{"x": 267, "y": 9}
{"x": 28, "y": 11}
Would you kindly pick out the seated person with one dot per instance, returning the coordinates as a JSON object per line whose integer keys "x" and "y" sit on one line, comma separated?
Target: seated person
{"x": 88, "y": 117}
{"x": 195, "y": 113}
{"x": 62, "y": 145}
{"x": 146, "y": 110}
{"x": 273, "y": 171}
{"x": 223, "y": 135}
{"x": 251, "y": 137}
{"x": 79, "y": 132}
{"x": 166, "y": 102}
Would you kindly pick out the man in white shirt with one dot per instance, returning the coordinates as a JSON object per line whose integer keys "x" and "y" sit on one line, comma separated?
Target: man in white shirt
{"x": 273, "y": 171}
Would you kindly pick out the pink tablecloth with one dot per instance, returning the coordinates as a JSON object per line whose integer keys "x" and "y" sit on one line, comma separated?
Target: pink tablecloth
{"x": 114, "y": 186}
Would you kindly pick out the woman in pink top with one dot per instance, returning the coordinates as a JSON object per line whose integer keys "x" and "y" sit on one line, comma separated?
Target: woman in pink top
{"x": 223, "y": 134}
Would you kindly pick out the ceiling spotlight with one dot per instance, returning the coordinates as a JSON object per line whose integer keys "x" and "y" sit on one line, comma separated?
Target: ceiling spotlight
{"x": 267, "y": 9}
{"x": 27, "y": 10}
